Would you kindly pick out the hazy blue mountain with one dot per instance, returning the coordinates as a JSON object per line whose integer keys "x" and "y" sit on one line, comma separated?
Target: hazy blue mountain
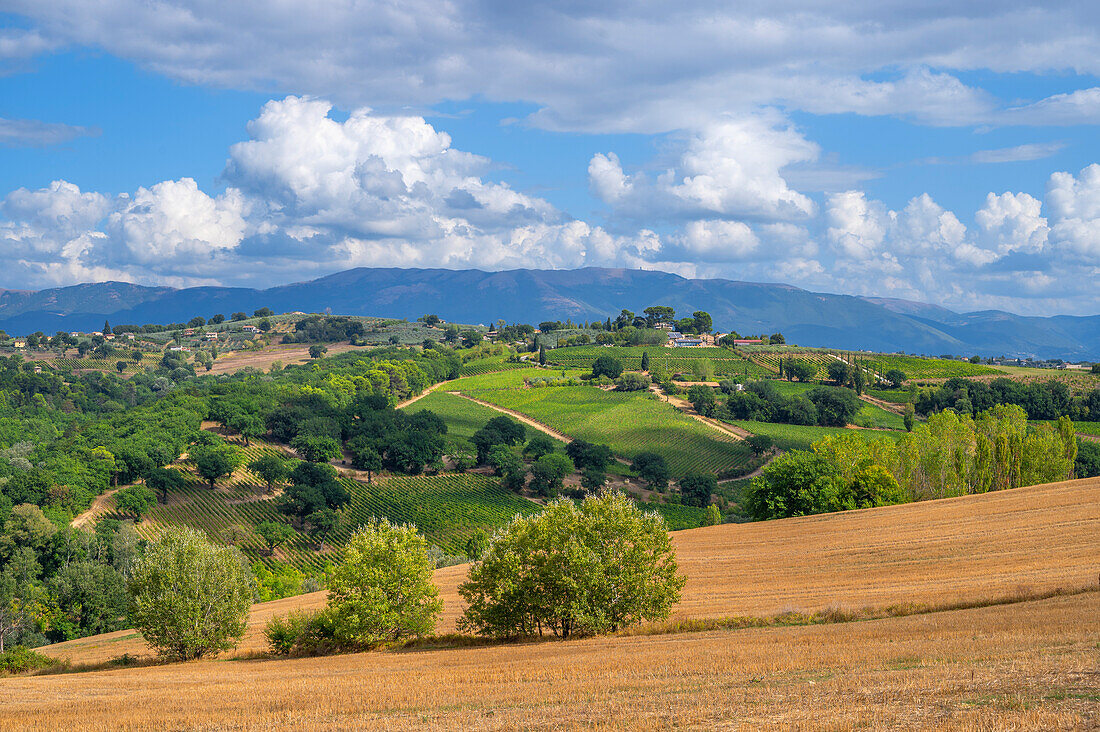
{"x": 473, "y": 296}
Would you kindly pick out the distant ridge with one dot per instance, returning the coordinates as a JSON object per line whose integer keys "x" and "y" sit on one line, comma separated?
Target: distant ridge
{"x": 473, "y": 296}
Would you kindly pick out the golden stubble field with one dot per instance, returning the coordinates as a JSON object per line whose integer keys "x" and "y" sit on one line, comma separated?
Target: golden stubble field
{"x": 1027, "y": 665}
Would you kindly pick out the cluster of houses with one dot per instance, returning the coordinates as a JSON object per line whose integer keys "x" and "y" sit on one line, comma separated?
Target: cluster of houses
{"x": 679, "y": 340}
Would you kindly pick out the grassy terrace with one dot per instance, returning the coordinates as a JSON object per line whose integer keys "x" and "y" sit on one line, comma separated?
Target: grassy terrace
{"x": 869, "y": 415}
{"x": 462, "y": 417}
{"x": 629, "y": 423}
{"x": 725, "y": 362}
{"x": 800, "y": 437}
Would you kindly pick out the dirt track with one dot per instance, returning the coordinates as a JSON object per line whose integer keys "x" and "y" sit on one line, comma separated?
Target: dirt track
{"x": 99, "y": 506}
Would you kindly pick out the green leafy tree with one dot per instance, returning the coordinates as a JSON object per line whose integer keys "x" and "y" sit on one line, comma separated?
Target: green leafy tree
{"x": 759, "y": 444}
{"x": 802, "y": 371}
{"x": 895, "y": 377}
{"x": 271, "y": 469}
{"x": 316, "y": 448}
{"x": 121, "y": 366}
{"x": 166, "y": 480}
{"x": 631, "y": 381}
{"x": 837, "y": 372}
{"x": 214, "y": 462}
{"x": 540, "y": 444}
{"x": 476, "y": 544}
{"x": 703, "y": 399}
{"x": 836, "y": 407}
{"x": 574, "y": 569}
{"x": 364, "y": 456}
{"x": 136, "y": 500}
{"x": 652, "y": 468}
{"x": 909, "y": 418}
{"x": 91, "y": 597}
{"x": 190, "y": 597}
{"x": 696, "y": 490}
{"x": 711, "y": 517}
{"x": 274, "y": 534}
{"x": 503, "y": 460}
{"x": 383, "y": 589}
{"x": 542, "y": 355}
{"x": 313, "y": 486}
{"x": 247, "y": 425}
{"x": 548, "y": 472}
{"x": 702, "y": 321}
{"x": 321, "y": 525}
{"x": 497, "y": 431}
{"x": 593, "y": 479}
{"x": 316, "y": 351}
{"x": 608, "y": 366}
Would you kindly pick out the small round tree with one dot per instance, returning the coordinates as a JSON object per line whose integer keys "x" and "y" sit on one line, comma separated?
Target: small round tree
{"x": 574, "y": 569}
{"x": 190, "y": 597}
{"x": 383, "y": 589}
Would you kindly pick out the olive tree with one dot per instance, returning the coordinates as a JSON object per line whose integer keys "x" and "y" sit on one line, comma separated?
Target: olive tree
{"x": 383, "y": 589}
{"x": 190, "y": 597}
{"x": 575, "y": 569}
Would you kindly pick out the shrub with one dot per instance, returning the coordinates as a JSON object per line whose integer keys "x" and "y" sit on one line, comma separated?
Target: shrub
{"x": 190, "y": 597}
{"x": 136, "y": 500}
{"x": 575, "y": 569}
{"x": 632, "y": 382}
{"x": 549, "y": 471}
{"x": 20, "y": 660}
{"x": 696, "y": 490}
{"x": 652, "y": 468}
{"x": 383, "y": 589}
{"x": 284, "y": 633}
{"x": 608, "y": 366}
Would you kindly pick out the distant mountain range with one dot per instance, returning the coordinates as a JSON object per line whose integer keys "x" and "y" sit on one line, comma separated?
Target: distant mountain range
{"x": 473, "y": 296}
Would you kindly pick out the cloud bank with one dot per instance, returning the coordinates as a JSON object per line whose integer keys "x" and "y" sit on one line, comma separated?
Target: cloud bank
{"x": 307, "y": 194}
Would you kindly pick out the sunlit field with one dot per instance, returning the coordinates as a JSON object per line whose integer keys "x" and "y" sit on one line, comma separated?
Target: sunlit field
{"x": 1019, "y": 662}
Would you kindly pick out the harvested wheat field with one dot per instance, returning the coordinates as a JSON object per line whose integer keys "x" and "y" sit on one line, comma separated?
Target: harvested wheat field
{"x": 1028, "y": 665}
{"x": 234, "y": 361}
{"x": 1020, "y": 665}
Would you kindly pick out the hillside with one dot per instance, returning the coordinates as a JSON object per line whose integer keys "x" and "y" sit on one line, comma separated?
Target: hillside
{"x": 807, "y": 318}
{"x": 961, "y": 550}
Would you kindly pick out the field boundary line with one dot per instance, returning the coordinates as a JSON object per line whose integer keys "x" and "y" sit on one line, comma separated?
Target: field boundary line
{"x": 518, "y": 415}
{"x": 418, "y": 397}
{"x": 93, "y": 510}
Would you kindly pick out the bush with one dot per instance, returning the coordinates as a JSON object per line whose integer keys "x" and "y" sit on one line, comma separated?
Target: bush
{"x": 383, "y": 590}
{"x": 20, "y": 660}
{"x": 549, "y": 471}
{"x": 652, "y": 468}
{"x": 836, "y": 407}
{"x": 632, "y": 382}
{"x": 285, "y": 632}
{"x": 190, "y": 597}
{"x": 136, "y": 500}
{"x": 696, "y": 490}
{"x": 608, "y": 366}
{"x": 575, "y": 569}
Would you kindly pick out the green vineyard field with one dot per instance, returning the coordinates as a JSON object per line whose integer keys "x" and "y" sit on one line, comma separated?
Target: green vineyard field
{"x": 490, "y": 365}
{"x": 725, "y": 363}
{"x": 445, "y": 508}
{"x": 462, "y": 417}
{"x": 927, "y": 368}
{"x": 799, "y": 437}
{"x": 629, "y": 423}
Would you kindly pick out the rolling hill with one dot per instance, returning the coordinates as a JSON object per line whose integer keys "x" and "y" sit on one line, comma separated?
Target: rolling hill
{"x": 807, "y": 318}
{"x": 1014, "y": 654}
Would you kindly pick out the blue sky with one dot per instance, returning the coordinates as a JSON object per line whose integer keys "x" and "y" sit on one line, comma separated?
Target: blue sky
{"x": 938, "y": 153}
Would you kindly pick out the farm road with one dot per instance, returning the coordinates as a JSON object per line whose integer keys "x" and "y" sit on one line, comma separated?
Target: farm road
{"x": 99, "y": 505}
